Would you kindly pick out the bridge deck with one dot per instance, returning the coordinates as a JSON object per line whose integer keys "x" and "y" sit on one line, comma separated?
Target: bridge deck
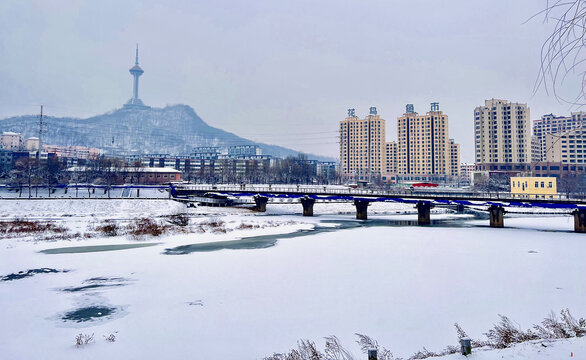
{"x": 560, "y": 201}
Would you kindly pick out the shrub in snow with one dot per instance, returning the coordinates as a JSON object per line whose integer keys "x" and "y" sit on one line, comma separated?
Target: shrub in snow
{"x": 179, "y": 219}
{"x": 108, "y": 229}
{"x": 367, "y": 343}
{"x": 502, "y": 335}
{"x": 146, "y": 226}
{"x": 22, "y": 226}
{"x": 83, "y": 339}
{"x": 306, "y": 350}
{"x": 505, "y": 333}
{"x": 214, "y": 222}
{"x": 334, "y": 350}
{"x": 566, "y": 327}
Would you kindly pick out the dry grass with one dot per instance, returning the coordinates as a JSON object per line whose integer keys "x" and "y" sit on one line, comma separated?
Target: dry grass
{"x": 146, "y": 226}
{"x": 502, "y": 335}
{"x": 108, "y": 229}
{"x": 83, "y": 339}
{"x": 27, "y": 227}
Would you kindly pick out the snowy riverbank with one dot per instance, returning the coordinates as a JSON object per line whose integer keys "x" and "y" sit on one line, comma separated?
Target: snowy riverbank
{"x": 403, "y": 285}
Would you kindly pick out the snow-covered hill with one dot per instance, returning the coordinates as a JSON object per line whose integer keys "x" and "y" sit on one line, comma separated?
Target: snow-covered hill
{"x": 175, "y": 129}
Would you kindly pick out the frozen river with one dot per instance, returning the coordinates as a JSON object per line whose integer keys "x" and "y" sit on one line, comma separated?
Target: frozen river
{"x": 245, "y": 294}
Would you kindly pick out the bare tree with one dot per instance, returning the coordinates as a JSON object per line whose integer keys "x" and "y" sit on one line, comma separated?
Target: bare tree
{"x": 563, "y": 52}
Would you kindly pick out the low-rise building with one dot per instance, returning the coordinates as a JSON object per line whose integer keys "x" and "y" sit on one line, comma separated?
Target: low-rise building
{"x": 531, "y": 187}
{"x": 11, "y": 141}
{"x": 32, "y": 144}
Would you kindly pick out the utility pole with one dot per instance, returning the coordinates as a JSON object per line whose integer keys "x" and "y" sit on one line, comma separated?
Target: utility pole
{"x": 41, "y": 123}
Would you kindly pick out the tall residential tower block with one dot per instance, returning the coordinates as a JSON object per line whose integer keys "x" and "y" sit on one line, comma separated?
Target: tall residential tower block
{"x": 502, "y": 133}
{"x": 424, "y": 145}
{"x": 361, "y": 146}
{"x": 423, "y": 151}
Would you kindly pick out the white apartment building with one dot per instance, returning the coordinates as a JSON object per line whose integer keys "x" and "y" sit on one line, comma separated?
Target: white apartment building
{"x": 502, "y": 133}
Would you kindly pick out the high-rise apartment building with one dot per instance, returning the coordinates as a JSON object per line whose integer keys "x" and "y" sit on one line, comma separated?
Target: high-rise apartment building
{"x": 455, "y": 169}
{"x": 362, "y": 144}
{"x": 390, "y": 158}
{"x": 423, "y": 152}
{"x": 568, "y": 147}
{"x": 551, "y": 124}
{"x": 424, "y": 146}
{"x": 502, "y": 133}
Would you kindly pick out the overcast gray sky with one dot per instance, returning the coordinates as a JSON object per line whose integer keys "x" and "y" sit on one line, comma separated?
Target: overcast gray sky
{"x": 281, "y": 72}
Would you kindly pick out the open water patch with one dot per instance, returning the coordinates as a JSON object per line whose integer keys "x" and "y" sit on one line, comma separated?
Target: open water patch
{"x": 97, "y": 283}
{"x": 95, "y": 248}
{"x": 266, "y": 241}
{"x": 88, "y": 313}
{"x": 31, "y": 272}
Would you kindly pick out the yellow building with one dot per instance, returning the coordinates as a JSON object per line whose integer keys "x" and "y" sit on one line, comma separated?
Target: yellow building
{"x": 533, "y": 187}
{"x": 362, "y": 146}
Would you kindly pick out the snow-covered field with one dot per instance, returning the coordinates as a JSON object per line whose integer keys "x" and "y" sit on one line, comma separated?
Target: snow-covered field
{"x": 403, "y": 285}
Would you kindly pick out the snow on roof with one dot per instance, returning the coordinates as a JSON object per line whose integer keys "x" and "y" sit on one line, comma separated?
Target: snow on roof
{"x": 9, "y": 133}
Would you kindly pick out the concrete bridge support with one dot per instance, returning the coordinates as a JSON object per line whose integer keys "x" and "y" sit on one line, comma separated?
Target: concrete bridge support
{"x": 361, "y": 209}
{"x": 497, "y": 213}
{"x": 423, "y": 212}
{"x": 307, "y": 203}
{"x": 580, "y": 220}
{"x": 460, "y": 208}
{"x": 260, "y": 203}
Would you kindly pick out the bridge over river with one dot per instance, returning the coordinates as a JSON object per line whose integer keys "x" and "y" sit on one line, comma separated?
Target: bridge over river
{"x": 423, "y": 200}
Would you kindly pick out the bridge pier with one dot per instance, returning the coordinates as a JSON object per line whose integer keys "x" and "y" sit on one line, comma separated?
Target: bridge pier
{"x": 423, "y": 212}
{"x": 260, "y": 203}
{"x": 460, "y": 208}
{"x": 497, "y": 213}
{"x": 580, "y": 220}
{"x": 361, "y": 209}
{"x": 307, "y": 204}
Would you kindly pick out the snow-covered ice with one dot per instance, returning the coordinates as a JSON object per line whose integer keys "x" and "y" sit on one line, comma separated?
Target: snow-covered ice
{"x": 403, "y": 285}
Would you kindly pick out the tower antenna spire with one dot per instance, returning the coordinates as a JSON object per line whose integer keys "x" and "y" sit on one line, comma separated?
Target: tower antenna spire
{"x": 136, "y": 61}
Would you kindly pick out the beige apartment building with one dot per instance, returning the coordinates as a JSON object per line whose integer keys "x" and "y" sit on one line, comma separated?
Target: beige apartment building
{"x": 502, "y": 133}
{"x": 550, "y": 124}
{"x": 566, "y": 148}
{"x": 424, "y": 146}
{"x": 32, "y": 144}
{"x": 11, "y": 140}
{"x": 390, "y": 158}
{"x": 362, "y": 144}
{"x": 455, "y": 167}
{"x": 423, "y": 152}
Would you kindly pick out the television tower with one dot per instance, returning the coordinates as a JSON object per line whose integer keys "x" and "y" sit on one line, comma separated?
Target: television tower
{"x": 136, "y": 71}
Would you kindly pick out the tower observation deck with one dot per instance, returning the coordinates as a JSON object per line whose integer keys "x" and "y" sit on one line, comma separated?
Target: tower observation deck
{"x": 136, "y": 71}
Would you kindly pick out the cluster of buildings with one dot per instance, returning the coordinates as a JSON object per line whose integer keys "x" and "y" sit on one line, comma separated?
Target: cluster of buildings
{"x": 13, "y": 147}
{"x": 239, "y": 163}
{"x": 423, "y": 151}
{"x": 505, "y": 145}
